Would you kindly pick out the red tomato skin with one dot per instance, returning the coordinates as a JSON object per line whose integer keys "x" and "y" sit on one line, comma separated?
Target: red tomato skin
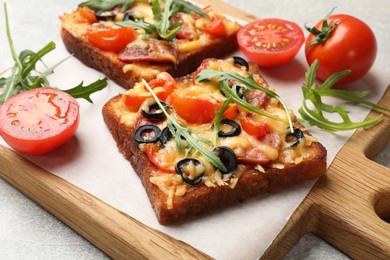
{"x": 134, "y": 99}
{"x": 352, "y": 45}
{"x": 52, "y": 134}
{"x": 277, "y": 47}
{"x": 259, "y": 130}
{"x": 87, "y": 14}
{"x": 215, "y": 28}
{"x": 112, "y": 40}
{"x": 151, "y": 151}
{"x": 194, "y": 110}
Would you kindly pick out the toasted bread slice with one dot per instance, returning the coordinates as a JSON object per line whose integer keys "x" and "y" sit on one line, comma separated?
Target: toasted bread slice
{"x": 267, "y": 163}
{"x": 147, "y": 56}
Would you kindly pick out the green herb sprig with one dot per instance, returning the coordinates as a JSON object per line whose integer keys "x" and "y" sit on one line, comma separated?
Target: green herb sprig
{"x": 179, "y": 131}
{"x": 225, "y": 76}
{"x": 313, "y": 92}
{"x": 24, "y": 76}
{"x": 162, "y": 16}
{"x": 103, "y": 5}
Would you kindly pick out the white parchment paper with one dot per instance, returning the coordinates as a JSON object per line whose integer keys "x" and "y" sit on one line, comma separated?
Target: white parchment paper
{"x": 243, "y": 231}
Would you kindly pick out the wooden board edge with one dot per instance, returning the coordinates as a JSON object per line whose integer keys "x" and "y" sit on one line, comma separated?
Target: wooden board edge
{"x": 316, "y": 211}
{"x": 92, "y": 218}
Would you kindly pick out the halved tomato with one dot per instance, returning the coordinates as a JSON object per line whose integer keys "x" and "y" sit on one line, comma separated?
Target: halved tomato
{"x": 39, "y": 120}
{"x": 112, "y": 40}
{"x": 270, "y": 42}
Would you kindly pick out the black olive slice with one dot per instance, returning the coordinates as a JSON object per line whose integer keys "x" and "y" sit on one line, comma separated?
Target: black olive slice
{"x": 128, "y": 17}
{"x": 236, "y": 129}
{"x": 166, "y": 134}
{"x": 294, "y": 138}
{"x": 228, "y": 158}
{"x": 181, "y": 168}
{"x": 240, "y": 91}
{"x": 153, "y": 111}
{"x": 105, "y": 15}
{"x": 242, "y": 62}
{"x": 147, "y": 134}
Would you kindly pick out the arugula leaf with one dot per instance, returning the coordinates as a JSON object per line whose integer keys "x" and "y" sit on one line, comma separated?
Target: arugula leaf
{"x": 103, "y": 5}
{"x": 314, "y": 93}
{"x": 179, "y": 131}
{"x": 23, "y": 75}
{"x": 139, "y": 24}
{"x": 189, "y": 7}
{"x": 225, "y": 76}
{"x": 162, "y": 16}
{"x": 81, "y": 91}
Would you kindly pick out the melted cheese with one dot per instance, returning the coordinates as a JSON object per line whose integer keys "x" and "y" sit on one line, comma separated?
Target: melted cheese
{"x": 279, "y": 154}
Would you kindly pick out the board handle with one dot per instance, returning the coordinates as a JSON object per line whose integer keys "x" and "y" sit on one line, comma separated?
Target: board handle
{"x": 350, "y": 205}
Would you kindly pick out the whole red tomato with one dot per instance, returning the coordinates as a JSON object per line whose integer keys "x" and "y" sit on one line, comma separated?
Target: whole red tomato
{"x": 344, "y": 43}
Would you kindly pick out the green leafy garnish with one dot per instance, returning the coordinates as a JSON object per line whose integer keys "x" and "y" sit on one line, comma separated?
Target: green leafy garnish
{"x": 85, "y": 92}
{"x": 313, "y": 92}
{"x": 103, "y": 5}
{"x": 225, "y": 76}
{"x": 24, "y": 76}
{"x": 162, "y": 16}
{"x": 179, "y": 131}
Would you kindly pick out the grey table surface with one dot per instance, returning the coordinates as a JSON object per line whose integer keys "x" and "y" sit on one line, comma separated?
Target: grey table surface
{"x": 29, "y": 232}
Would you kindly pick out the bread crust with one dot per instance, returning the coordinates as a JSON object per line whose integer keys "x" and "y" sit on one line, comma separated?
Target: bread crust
{"x": 112, "y": 67}
{"x": 203, "y": 198}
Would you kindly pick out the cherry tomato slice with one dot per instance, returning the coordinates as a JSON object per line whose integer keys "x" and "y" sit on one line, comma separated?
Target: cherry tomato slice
{"x": 231, "y": 112}
{"x": 88, "y": 14}
{"x": 151, "y": 150}
{"x": 254, "y": 128}
{"x": 38, "y": 121}
{"x": 194, "y": 110}
{"x": 113, "y": 40}
{"x": 270, "y": 42}
{"x": 163, "y": 86}
{"x": 215, "y": 27}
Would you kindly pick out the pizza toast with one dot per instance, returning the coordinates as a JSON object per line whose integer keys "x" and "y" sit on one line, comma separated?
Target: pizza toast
{"x": 269, "y": 154}
{"x": 197, "y": 34}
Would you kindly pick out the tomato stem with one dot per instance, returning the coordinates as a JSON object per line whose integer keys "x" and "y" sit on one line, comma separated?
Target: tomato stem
{"x": 321, "y": 35}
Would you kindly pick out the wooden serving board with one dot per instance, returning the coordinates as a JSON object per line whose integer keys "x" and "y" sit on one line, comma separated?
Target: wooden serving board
{"x": 346, "y": 207}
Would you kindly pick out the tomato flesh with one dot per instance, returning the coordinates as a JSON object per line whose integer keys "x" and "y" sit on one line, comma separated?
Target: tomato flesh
{"x": 352, "y": 45}
{"x": 215, "y": 27}
{"x": 38, "y": 121}
{"x": 162, "y": 85}
{"x": 151, "y": 151}
{"x": 194, "y": 110}
{"x": 270, "y": 42}
{"x": 88, "y": 14}
{"x": 113, "y": 40}
{"x": 254, "y": 128}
